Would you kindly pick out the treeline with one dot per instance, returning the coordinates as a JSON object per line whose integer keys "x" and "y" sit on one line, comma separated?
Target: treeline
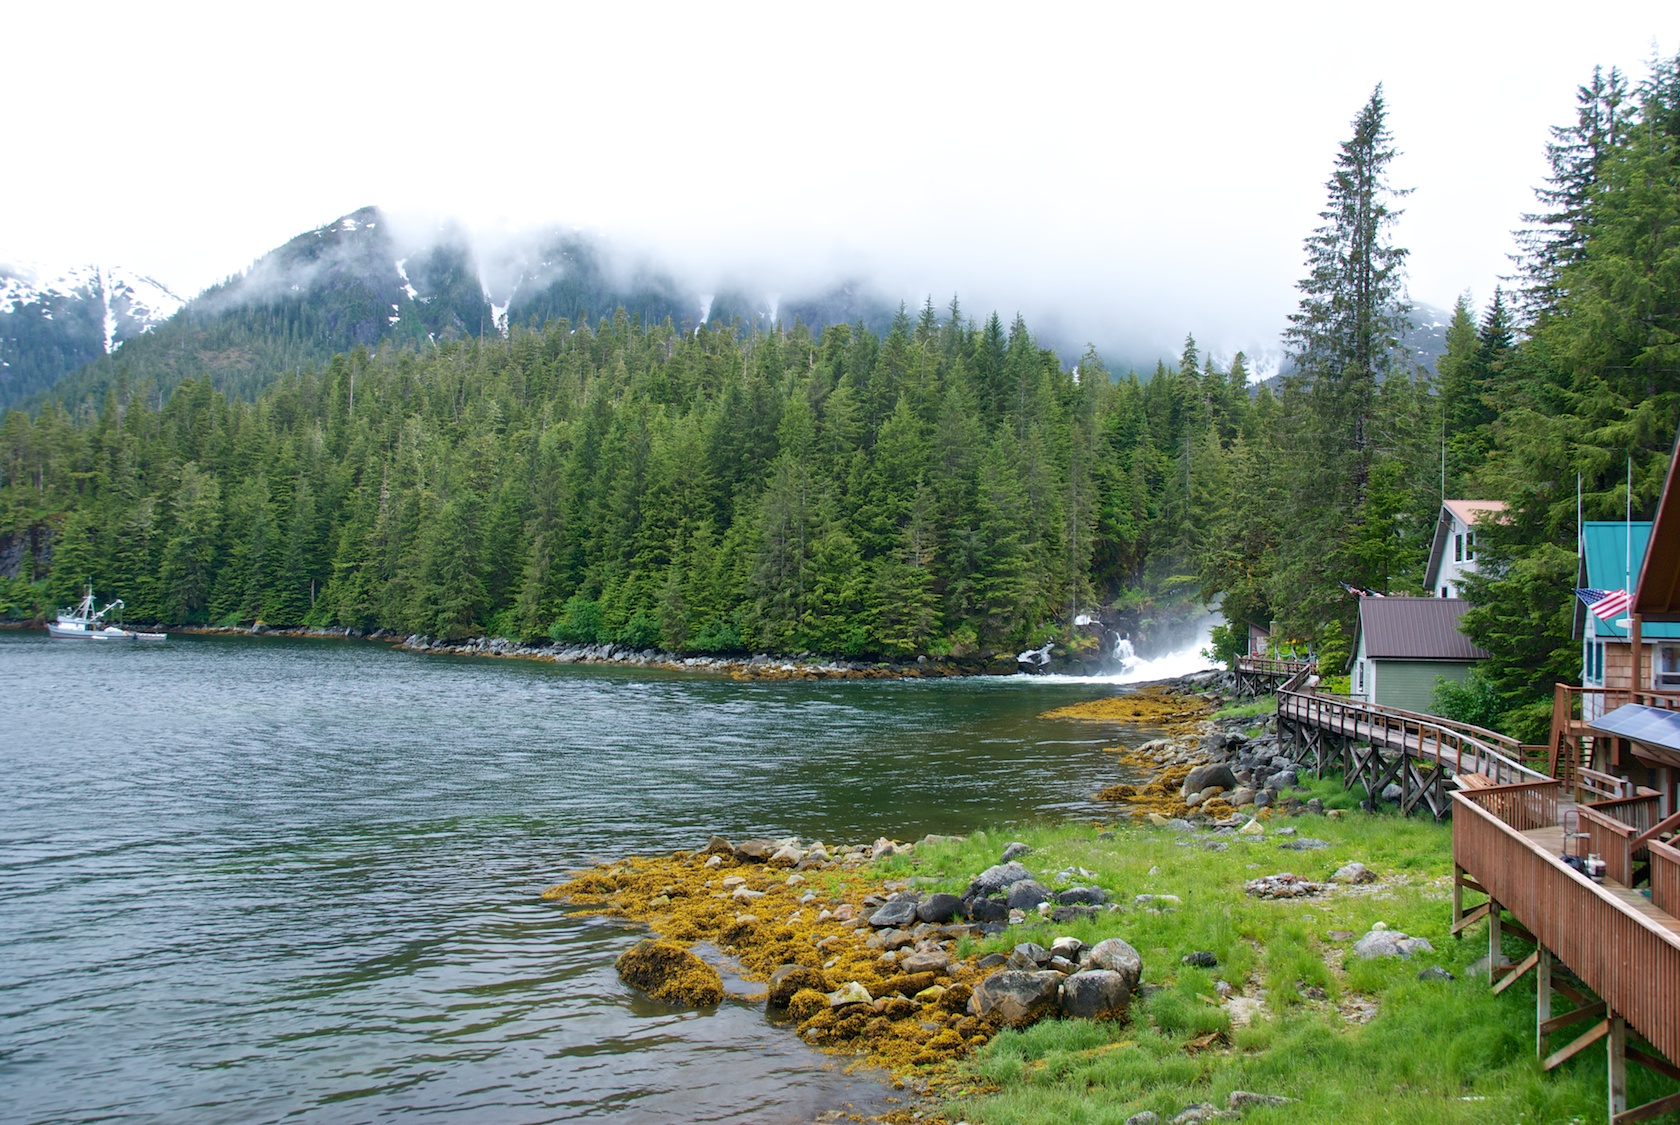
{"x": 943, "y": 485}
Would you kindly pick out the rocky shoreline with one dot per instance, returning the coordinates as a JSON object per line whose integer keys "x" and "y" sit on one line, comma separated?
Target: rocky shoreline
{"x": 759, "y": 666}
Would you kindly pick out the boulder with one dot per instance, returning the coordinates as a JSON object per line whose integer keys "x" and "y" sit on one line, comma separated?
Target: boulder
{"x": 1305, "y": 844}
{"x": 1354, "y": 873}
{"x": 1264, "y": 798}
{"x": 1118, "y": 956}
{"x": 1283, "y": 779}
{"x": 882, "y": 849}
{"x": 785, "y": 856}
{"x": 1027, "y": 894}
{"x": 926, "y": 961}
{"x": 1391, "y": 792}
{"x": 789, "y": 979}
{"x": 988, "y": 910}
{"x": 1016, "y": 998}
{"x": 907, "y": 984}
{"x": 1253, "y": 827}
{"x": 995, "y": 879}
{"x": 755, "y": 851}
{"x": 849, "y": 993}
{"x": 1015, "y": 850}
{"x": 668, "y": 972}
{"x": 1200, "y": 959}
{"x": 1390, "y": 943}
{"x": 1096, "y": 994}
{"x": 1212, "y": 774}
{"x": 1082, "y": 896}
{"x": 1241, "y": 1100}
{"x": 899, "y": 912}
{"x": 1070, "y": 947}
{"x": 992, "y": 961}
{"x": 1029, "y": 955}
{"x": 1435, "y": 972}
{"x": 717, "y": 845}
{"x": 1073, "y": 913}
{"x": 1147, "y": 1117}
{"x": 1241, "y": 796}
{"x": 939, "y": 909}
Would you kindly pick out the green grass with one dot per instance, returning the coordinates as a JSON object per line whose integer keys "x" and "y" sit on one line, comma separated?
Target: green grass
{"x": 1266, "y": 705}
{"x": 1434, "y": 1052}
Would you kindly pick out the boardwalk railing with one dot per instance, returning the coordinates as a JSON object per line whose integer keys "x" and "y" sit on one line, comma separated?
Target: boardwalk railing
{"x": 1260, "y": 675}
{"x": 1419, "y": 753}
{"x": 1622, "y": 947}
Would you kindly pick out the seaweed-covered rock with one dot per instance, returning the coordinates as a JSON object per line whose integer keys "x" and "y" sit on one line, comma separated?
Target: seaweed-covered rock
{"x": 1016, "y": 998}
{"x": 907, "y": 984}
{"x": 668, "y": 972}
{"x": 789, "y": 979}
{"x": 807, "y": 1002}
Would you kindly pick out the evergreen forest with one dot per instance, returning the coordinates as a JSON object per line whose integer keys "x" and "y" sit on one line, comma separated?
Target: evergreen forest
{"x": 944, "y": 486}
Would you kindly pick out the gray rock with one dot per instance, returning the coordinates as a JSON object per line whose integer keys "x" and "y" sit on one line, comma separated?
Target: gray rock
{"x": 849, "y": 993}
{"x": 1200, "y": 959}
{"x": 995, "y": 879}
{"x": 988, "y": 910}
{"x": 1315, "y": 805}
{"x": 1082, "y": 896}
{"x": 1027, "y": 894}
{"x": 1179, "y": 824}
{"x": 1070, "y": 947}
{"x": 786, "y": 856}
{"x": 899, "y": 912}
{"x": 1015, "y": 850}
{"x": 1305, "y": 844}
{"x": 927, "y": 961}
{"x": 1147, "y": 1117}
{"x": 1096, "y": 994}
{"x": 1203, "y": 776}
{"x": 1241, "y": 1099}
{"x": 1354, "y": 873}
{"x": 1072, "y": 913}
{"x": 939, "y": 909}
{"x": 755, "y": 851}
{"x": 1016, "y": 998}
{"x": 1478, "y": 969}
{"x": 1029, "y": 955}
{"x": 992, "y": 961}
{"x": 1063, "y": 965}
{"x": 1435, "y": 972}
{"x": 717, "y": 845}
{"x": 1198, "y": 1111}
{"x": 1262, "y": 798}
{"x": 1241, "y": 796}
{"x": 1391, "y": 792}
{"x": 1118, "y": 956}
{"x": 1390, "y": 943}
{"x": 1284, "y": 779}
{"x": 1281, "y": 886}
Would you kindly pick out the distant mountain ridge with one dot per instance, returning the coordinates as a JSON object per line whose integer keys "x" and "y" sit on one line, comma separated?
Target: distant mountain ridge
{"x": 54, "y": 323}
{"x": 359, "y": 281}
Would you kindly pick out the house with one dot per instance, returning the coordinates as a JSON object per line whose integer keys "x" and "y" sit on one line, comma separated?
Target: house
{"x": 1259, "y": 639}
{"x": 1405, "y": 645}
{"x": 1452, "y": 555}
{"x": 1606, "y": 648}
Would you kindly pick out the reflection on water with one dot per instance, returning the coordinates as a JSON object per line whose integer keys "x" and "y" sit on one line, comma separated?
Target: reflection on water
{"x": 242, "y": 880}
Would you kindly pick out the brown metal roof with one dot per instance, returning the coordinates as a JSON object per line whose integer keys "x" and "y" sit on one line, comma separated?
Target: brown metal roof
{"x": 1657, "y": 597}
{"x": 1415, "y": 629}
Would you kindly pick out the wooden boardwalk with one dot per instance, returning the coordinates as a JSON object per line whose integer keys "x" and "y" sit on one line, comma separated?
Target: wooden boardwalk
{"x": 1262, "y": 675}
{"x": 1377, "y": 746}
{"x": 1621, "y": 945}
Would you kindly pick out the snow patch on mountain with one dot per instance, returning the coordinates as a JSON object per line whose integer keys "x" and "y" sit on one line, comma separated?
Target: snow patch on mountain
{"x": 127, "y": 303}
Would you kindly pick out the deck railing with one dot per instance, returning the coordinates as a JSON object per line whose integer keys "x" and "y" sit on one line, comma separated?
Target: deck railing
{"x": 1665, "y": 877}
{"x": 1630, "y": 959}
{"x": 1524, "y": 806}
{"x": 1611, "y": 840}
{"x": 1271, "y": 665}
{"x": 1569, "y": 727}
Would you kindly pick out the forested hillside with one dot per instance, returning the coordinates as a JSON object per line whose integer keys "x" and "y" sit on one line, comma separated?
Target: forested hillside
{"x": 935, "y": 487}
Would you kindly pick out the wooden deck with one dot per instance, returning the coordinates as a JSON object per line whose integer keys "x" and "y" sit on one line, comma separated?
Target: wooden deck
{"x": 1262, "y": 675}
{"x": 1508, "y": 843}
{"x": 1377, "y": 746}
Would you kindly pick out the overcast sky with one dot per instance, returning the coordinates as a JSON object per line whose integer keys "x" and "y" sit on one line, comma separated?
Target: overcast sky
{"x": 1139, "y": 171}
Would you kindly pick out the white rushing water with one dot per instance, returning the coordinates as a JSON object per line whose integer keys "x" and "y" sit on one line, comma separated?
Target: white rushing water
{"x": 1133, "y": 670}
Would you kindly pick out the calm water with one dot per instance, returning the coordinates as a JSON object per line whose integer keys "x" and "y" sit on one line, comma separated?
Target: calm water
{"x": 252, "y": 880}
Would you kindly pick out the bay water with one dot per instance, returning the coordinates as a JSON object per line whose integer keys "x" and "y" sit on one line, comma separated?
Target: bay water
{"x": 265, "y": 879}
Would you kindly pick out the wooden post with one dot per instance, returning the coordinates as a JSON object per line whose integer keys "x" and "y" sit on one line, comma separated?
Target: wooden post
{"x": 1542, "y": 1000}
{"x": 1616, "y": 1050}
{"x": 1496, "y": 946}
{"x": 1635, "y": 635}
{"x": 1458, "y": 897}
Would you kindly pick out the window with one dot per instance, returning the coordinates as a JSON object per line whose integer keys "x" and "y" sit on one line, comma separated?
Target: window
{"x": 1444, "y": 593}
{"x": 1592, "y": 662}
{"x": 1458, "y": 548}
{"x": 1470, "y": 547}
{"x": 1668, "y": 667}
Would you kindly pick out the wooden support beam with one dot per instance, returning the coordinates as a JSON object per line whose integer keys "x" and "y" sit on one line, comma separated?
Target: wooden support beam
{"x": 1649, "y": 1109}
{"x": 1495, "y": 916}
{"x": 1593, "y": 1011}
{"x": 1517, "y": 929}
{"x": 1654, "y": 1062}
{"x": 1469, "y": 884}
{"x": 1579, "y": 999}
{"x": 1616, "y": 1052}
{"x": 1542, "y": 1000}
{"x": 1470, "y": 919}
{"x": 1563, "y": 1054}
{"x": 1517, "y": 970}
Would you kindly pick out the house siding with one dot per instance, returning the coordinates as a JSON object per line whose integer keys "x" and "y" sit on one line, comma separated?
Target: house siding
{"x": 1410, "y": 684}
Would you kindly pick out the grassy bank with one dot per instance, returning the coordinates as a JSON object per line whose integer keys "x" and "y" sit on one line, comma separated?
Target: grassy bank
{"x": 1350, "y": 1039}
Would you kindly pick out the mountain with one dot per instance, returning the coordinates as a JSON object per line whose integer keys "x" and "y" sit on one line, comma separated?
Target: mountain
{"x": 358, "y": 282}
{"x": 53, "y": 325}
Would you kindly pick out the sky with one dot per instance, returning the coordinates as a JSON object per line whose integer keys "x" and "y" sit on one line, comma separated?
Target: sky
{"x": 1128, "y": 172}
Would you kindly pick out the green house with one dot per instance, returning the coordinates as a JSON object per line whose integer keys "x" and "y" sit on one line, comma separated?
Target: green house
{"x": 1405, "y": 645}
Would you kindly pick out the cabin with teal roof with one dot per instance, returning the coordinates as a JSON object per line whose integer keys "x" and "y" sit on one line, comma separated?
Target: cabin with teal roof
{"x": 1606, "y": 652}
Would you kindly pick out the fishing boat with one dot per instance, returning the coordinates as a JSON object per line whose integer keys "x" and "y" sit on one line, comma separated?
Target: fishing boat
{"x": 83, "y": 622}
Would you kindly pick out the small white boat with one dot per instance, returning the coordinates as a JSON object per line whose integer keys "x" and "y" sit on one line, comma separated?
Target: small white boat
{"x": 83, "y": 622}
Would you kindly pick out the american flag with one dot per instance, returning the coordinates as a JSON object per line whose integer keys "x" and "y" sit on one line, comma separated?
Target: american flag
{"x": 1606, "y": 605}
